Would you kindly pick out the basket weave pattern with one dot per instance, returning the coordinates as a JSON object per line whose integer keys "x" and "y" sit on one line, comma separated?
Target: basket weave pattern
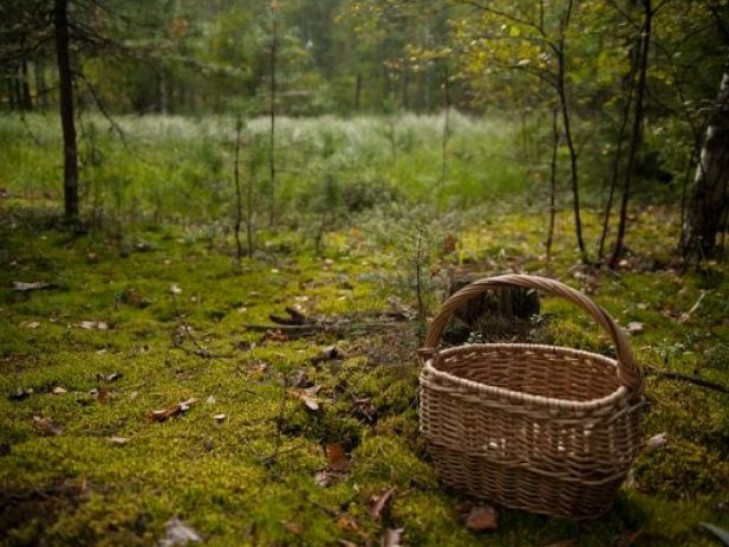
{"x": 547, "y": 429}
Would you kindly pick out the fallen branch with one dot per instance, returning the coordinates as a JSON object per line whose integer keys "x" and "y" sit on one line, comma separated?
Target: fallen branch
{"x": 295, "y": 318}
{"x": 670, "y": 375}
{"x": 298, "y": 325}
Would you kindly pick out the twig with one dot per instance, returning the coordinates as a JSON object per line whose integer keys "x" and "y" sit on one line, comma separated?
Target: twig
{"x": 670, "y": 375}
{"x": 200, "y": 351}
{"x": 270, "y": 460}
{"x": 686, "y": 316}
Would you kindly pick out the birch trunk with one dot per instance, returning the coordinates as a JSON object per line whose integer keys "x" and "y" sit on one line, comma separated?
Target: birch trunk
{"x": 709, "y": 204}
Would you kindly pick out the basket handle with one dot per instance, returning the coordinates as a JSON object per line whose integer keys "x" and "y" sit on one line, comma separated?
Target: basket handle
{"x": 629, "y": 373}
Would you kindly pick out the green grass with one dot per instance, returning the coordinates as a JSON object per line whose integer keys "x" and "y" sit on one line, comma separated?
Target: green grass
{"x": 179, "y": 169}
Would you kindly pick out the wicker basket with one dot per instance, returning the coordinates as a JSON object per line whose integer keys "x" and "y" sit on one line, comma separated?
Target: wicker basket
{"x": 547, "y": 429}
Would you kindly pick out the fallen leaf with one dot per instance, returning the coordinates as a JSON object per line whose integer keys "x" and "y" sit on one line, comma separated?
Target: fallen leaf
{"x": 301, "y": 379}
{"x": 210, "y": 400}
{"x": 323, "y": 478}
{"x": 58, "y": 390}
{"x": 175, "y": 289}
{"x": 114, "y": 376}
{"x": 307, "y": 396}
{"x": 310, "y": 402}
{"x": 101, "y": 395}
{"x": 30, "y": 324}
{"x": 179, "y": 533}
{"x": 20, "y": 394}
{"x": 656, "y": 441}
{"x": 46, "y": 426}
{"x": 330, "y": 353}
{"x": 392, "y": 536}
{"x": 32, "y": 286}
{"x": 634, "y": 327}
{"x": 482, "y": 518}
{"x": 364, "y": 410}
{"x": 338, "y": 460}
{"x": 220, "y": 418}
{"x": 348, "y": 524}
{"x": 171, "y": 411}
{"x": 379, "y": 501}
{"x": 119, "y": 441}
{"x": 293, "y": 527}
{"x": 94, "y": 325}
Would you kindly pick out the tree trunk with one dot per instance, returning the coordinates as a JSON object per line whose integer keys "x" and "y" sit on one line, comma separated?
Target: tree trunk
{"x": 40, "y": 83}
{"x": 709, "y": 200}
{"x": 562, "y": 93}
{"x": 552, "y": 185}
{"x": 65, "y": 76}
{"x": 616, "y": 164}
{"x": 25, "y": 85}
{"x": 272, "y": 135}
{"x": 636, "y": 134}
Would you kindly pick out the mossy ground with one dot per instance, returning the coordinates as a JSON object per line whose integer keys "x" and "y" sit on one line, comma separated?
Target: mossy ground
{"x": 250, "y": 479}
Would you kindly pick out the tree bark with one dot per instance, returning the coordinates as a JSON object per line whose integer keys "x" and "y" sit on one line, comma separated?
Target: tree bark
{"x": 552, "y": 185}
{"x": 562, "y": 93}
{"x": 70, "y": 154}
{"x": 636, "y": 135}
{"x": 709, "y": 201}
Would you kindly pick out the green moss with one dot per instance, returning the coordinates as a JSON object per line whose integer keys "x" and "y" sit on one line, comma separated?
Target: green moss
{"x": 250, "y": 478}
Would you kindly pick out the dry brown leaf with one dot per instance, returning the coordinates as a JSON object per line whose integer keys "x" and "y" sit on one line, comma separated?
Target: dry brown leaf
{"x": 482, "y": 518}
{"x": 293, "y": 527}
{"x": 220, "y": 418}
{"x": 103, "y": 395}
{"x": 58, "y": 390}
{"x": 30, "y": 324}
{"x": 348, "y": 524}
{"x": 338, "y": 460}
{"x": 46, "y": 426}
{"x": 379, "y": 502}
{"x": 171, "y": 411}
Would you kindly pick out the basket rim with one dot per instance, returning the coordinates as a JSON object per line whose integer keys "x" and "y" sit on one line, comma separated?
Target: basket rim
{"x": 622, "y": 393}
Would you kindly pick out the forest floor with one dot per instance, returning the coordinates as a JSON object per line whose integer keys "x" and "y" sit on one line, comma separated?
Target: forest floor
{"x": 142, "y": 404}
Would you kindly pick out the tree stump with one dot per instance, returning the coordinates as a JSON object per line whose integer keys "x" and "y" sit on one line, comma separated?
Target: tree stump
{"x": 502, "y": 314}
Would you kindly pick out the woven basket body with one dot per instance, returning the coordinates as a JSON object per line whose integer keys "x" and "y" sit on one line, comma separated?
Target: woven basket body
{"x": 547, "y": 429}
